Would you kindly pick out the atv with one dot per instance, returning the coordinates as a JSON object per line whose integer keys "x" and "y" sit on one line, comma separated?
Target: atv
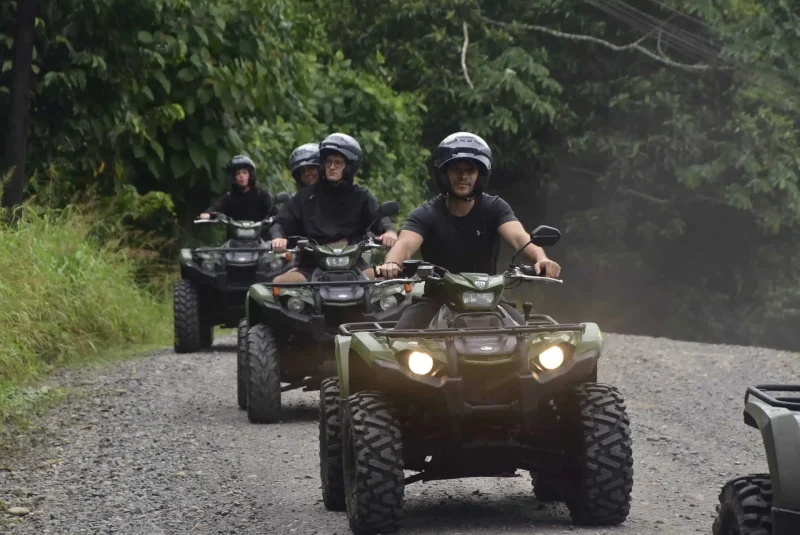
{"x": 475, "y": 395}
{"x": 290, "y": 327}
{"x": 767, "y": 504}
{"x": 214, "y": 281}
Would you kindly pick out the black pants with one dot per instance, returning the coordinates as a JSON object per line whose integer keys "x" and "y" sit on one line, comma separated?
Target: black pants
{"x": 419, "y": 315}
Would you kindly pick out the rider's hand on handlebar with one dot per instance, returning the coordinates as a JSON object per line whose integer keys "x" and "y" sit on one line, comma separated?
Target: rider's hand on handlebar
{"x": 389, "y": 270}
{"x": 279, "y": 245}
{"x": 388, "y": 239}
{"x": 205, "y": 216}
{"x": 547, "y": 268}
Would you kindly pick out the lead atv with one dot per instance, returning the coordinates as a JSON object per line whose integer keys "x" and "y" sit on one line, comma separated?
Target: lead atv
{"x": 290, "y": 327}
{"x": 214, "y": 281}
{"x": 474, "y": 395}
{"x": 767, "y": 504}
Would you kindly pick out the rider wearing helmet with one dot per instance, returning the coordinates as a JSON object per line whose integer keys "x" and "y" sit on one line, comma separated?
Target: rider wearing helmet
{"x": 245, "y": 201}
{"x": 331, "y": 211}
{"x": 458, "y": 229}
{"x": 304, "y": 165}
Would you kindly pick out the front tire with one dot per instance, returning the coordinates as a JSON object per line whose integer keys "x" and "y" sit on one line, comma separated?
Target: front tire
{"x": 372, "y": 455}
{"x": 264, "y": 384}
{"x": 745, "y": 507}
{"x": 241, "y": 364}
{"x": 330, "y": 446}
{"x": 187, "y": 319}
{"x": 600, "y": 476}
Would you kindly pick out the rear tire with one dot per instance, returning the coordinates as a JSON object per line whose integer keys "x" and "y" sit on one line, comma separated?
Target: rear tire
{"x": 599, "y": 480}
{"x": 186, "y": 320}
{"x": 330, "y": 446}
{"x": 372, "y": 455}
{"x": 745, "y": 507}
{"x": 264, "y": 384}
{"x": 241, "y": 364}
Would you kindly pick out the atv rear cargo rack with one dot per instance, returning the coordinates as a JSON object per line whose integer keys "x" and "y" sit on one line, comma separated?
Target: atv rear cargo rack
{"x": 791, "y": 403}
{"x": 387, "y": 329}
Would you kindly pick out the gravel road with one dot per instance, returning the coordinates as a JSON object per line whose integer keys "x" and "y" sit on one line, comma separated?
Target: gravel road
{"x": 157, "y": 445}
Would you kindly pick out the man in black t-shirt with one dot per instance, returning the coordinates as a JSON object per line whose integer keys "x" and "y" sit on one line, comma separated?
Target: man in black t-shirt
{"x": 458, "y": 229}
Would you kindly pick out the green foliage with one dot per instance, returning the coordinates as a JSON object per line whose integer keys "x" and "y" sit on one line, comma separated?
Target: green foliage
{"x": 67, "y": 297}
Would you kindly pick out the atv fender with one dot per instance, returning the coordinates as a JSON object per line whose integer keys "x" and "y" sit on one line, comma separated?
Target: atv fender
{"x": 780, "y": 430}
{"x": 343, "y": 364}
{"x": 258, "y": 296}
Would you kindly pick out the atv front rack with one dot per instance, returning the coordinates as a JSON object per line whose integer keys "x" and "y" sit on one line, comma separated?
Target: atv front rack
{"x": 387, "y": 329}
{"x": 791, "y": 403}
{"x": 318, "y": 283}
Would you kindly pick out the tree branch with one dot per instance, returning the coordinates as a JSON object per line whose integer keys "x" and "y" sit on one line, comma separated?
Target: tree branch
{"x": 464, "y": 55}
{"x": 636, "y": 45}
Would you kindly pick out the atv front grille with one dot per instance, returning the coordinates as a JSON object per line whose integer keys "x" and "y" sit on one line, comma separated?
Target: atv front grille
{"x": 241, "y": 276}
{"x": 490, "y": 385}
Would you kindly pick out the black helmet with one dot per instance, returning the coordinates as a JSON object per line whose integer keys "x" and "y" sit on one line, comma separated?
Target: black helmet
{"x": 303, "y": 155}
{"x": 347, "y": 147}
{"x": 236, "y": 163}
{"x": 463, "y": 145}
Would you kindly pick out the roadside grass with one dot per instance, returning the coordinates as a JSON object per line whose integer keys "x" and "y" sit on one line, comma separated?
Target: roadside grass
{"x": 66, "y": 298}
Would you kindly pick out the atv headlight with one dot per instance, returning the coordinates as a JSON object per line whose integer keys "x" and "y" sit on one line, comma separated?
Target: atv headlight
{"x": 420, "y": 363}
{"x": 295, "y": 304}
{"x": 478, "y": 298}
{"x": 208, "y": 265}
{"x": 245, "y": 233}
{"x": 333, "y": 262}
{"x": 277, "y": 262}
{"x": 388, "y": 303}
{"x": 552, "y": 358}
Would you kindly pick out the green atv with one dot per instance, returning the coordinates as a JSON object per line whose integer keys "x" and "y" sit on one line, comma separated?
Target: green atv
{"x": 474, "y": 395}
{"x": 764, "y": 504}
{"x": 289, "y": 327}
{"x": 214, "y": 280}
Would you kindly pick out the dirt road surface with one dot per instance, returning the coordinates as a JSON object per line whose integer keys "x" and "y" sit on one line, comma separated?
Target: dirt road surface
{"x": 157, "y": 445}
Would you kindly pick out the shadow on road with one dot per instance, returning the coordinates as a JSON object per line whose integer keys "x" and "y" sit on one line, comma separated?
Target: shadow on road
{"x": 490, "y": 512}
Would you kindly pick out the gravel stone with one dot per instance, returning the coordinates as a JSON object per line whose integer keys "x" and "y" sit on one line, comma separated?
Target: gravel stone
{"x": 157, "y": 445}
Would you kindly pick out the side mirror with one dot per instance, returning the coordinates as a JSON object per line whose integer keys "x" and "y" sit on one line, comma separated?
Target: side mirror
{"x": 282, "y": 197}
{"x": 545, "y": 236}
{"x": 388, "y": 209}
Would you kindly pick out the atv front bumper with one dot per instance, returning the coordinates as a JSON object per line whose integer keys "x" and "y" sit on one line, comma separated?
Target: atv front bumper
{"x": 534, "y": 386}
{"x": 314, "y": 324}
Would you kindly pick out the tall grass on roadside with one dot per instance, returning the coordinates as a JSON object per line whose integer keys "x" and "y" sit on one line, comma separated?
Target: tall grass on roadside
{"x": 65, "y": 297}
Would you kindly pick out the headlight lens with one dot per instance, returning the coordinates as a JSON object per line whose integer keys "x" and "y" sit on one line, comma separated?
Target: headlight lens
{"x": 420, "y": 363}
{"x": 245, "y": 232}
{"x": 295, "y": 305}
{"x": 478, "y": 298}
{"x": 552, "y": 358}
{"x": 277, "y": 262}
{"x": 333, "y": 262}
{"x": 388, "y": 303}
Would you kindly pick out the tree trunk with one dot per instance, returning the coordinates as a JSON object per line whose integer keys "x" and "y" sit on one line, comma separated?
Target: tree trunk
{"x": 16, "y": 134}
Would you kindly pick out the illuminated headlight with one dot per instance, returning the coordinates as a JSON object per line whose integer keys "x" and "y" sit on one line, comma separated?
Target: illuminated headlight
{"x": 295, "y": 305}
{"x": 388, "y": 303}
{"x": 478, "y": 298}
{"x": 552, "y": 358}
{"x": 245, "y": 233}
{"x": 333, "y": 262}
{"x": 420, "y": 363}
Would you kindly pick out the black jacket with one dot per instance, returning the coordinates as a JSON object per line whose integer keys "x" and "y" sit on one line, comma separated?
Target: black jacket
{"x": 328, "y": 213}
{"x": 254, "y": 205}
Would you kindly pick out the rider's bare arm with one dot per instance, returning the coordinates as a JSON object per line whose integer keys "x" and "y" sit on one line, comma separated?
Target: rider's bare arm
{"x": 516, "y": 236}
{"x": 407, "y": 244}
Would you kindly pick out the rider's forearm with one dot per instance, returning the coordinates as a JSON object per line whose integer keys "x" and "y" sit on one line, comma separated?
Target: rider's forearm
{"x": 534, "y": 253}
{"x": 277, "y": 231}
{"x": 399, "y": 253}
